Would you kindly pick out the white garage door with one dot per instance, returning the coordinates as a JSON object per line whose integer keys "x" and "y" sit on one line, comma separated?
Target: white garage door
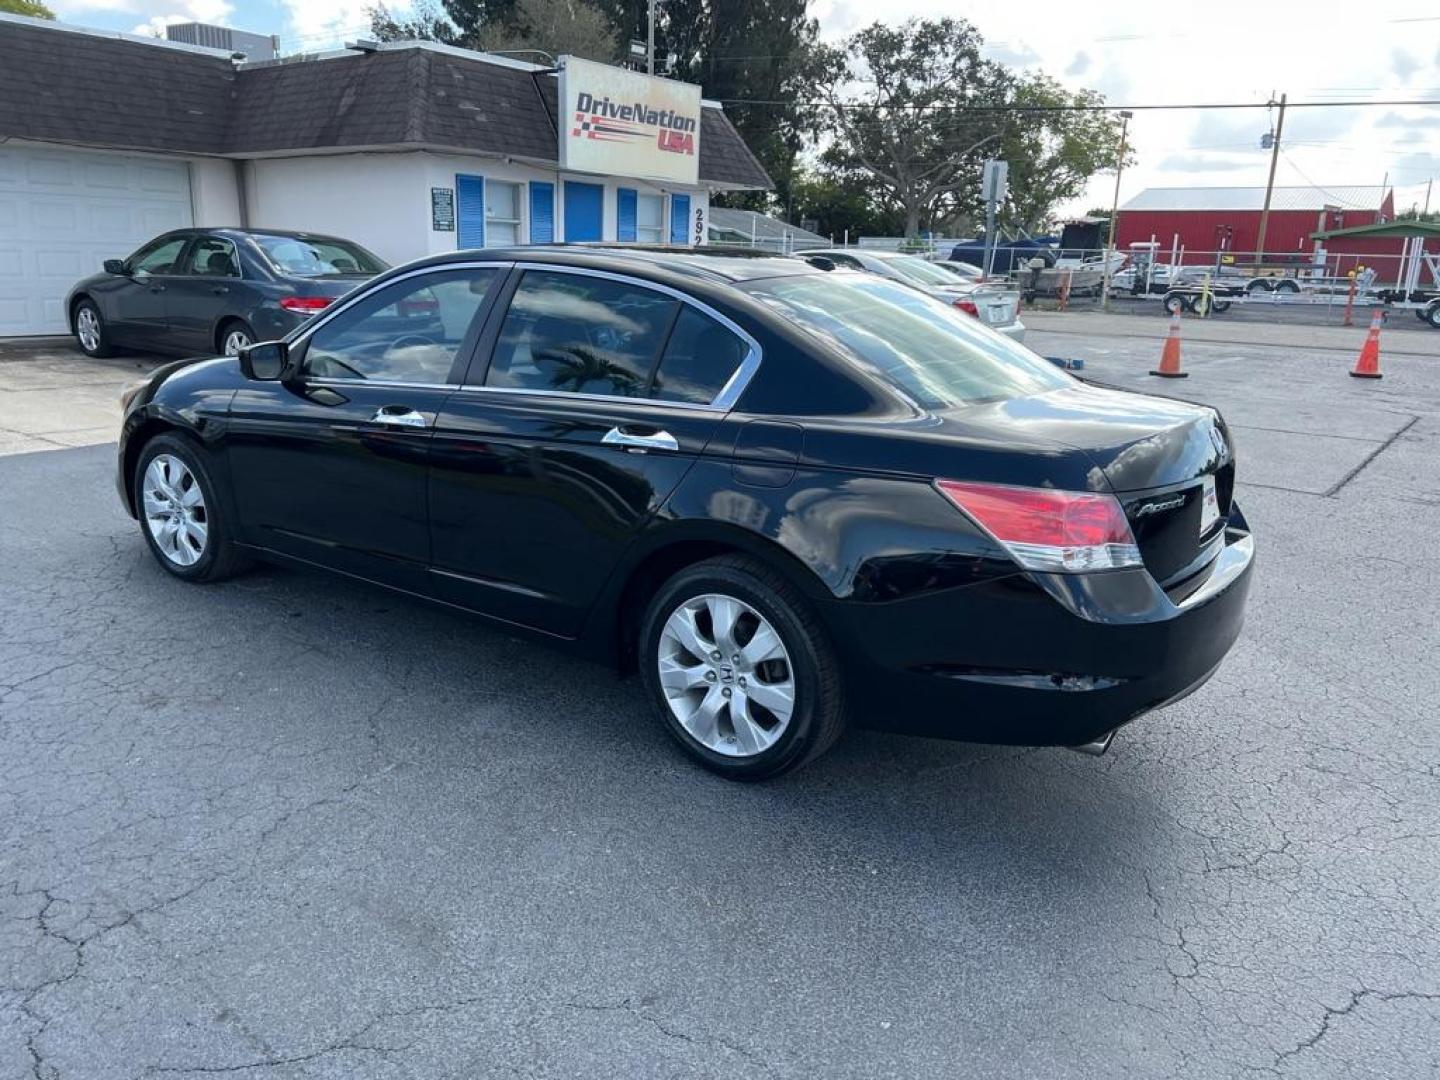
{"x": 63, "y": 212}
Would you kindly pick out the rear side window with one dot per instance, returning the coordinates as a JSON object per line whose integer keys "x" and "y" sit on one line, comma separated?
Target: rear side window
{"x": 699, "y": 360}
{"x": 580, "y": 334}
{"x": 410, "y": 331}
{"x": 935, "y": 355}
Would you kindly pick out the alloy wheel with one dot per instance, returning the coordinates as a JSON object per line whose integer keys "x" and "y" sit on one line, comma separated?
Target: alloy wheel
{"x": 726, "y": 675}
{"x": 87, "y": 329}
{"x": 174, "y": 509}
{"x": 234, "y": 341}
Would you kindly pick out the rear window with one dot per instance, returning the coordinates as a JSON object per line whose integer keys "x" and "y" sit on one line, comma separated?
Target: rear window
{"x": 312, "y": 257}
{"x": 700, "y": 358}
{"x": 920, "y": 272}
{"x": 935, "y": 355}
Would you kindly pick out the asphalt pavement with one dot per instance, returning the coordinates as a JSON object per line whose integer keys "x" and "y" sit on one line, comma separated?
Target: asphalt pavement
{"x": 294, "y": 827}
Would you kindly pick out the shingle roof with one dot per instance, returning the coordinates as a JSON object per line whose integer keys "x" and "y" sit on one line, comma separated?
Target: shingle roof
{"x": 1253, "y": 198}
{"x": 99, "y": 90}
{"x": 60, "y": 86}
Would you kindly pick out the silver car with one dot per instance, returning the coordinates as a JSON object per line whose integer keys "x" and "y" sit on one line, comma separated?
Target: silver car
{"x": 996, "y": 307}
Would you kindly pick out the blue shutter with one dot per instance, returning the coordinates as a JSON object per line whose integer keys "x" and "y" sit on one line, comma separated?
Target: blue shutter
{"x": 679, "y": 219}
{"x": 469, "y": 211}
{"x": 584, "y": 212}
{"x": 542, "y": 213}
{"x": 626, "y": 215}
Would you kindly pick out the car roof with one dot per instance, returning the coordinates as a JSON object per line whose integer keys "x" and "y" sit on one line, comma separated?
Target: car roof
{"x": 716, "y": 264}
{"x": 289, "y": 234}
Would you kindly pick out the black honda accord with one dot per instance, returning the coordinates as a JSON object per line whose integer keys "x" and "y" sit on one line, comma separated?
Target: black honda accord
{"x": 793, "y": 498}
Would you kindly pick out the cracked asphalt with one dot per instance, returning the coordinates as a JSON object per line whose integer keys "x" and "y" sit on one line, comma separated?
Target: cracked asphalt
{"x": 293, "y": 827}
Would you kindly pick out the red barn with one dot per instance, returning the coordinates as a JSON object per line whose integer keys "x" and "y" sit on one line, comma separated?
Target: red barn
{"x": 1227, "y": 219}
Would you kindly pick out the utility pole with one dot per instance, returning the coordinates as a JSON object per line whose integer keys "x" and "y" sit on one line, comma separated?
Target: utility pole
{"x": 650, "y": 42}
{"x": 1270, "y": 185}
{"x": 1428, "y": 185}
{"x": 1125, "y": 115}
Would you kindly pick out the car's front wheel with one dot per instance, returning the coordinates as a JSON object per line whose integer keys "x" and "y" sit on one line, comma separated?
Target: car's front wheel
{"x": 180, "y": 512}
{"x": 90, "y": 331}
{"x": 740, "y": 669}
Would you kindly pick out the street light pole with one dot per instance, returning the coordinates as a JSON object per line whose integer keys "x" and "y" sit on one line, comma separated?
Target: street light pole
{"x": 1125, "y": 115}
{"x": 650, "y": 42}
{"x": 1269, "y": 185}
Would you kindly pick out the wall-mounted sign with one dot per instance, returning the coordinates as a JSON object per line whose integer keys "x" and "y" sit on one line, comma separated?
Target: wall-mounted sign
{"x": 623, "y": 123}
{"x": 442, "y": 209}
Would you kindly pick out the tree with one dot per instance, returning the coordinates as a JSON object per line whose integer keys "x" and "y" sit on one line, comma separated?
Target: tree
{"x": 554, "y": 27}
{"x": 841, "y": 204}
{"x": 32, "y": 8}
{"x": 916, "y": 109}
{"x": 759, "y": 51}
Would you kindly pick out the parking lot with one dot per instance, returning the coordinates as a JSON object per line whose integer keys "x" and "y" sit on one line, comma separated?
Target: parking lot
{"x": 294, "y": 827}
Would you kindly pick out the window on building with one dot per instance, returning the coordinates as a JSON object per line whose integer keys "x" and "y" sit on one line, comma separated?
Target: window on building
{"x": 650, "y": 218}
{"x": 699, "y": 359}
{"x": 502, "y": 214}
{"x": 409, "y": 332}
{"x": 580, "y": 334}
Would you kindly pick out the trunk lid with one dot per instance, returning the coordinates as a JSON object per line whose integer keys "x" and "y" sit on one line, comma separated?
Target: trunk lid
{"x": 1169, "y": 462}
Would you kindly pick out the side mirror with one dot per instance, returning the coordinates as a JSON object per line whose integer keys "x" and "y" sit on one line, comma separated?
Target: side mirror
{"x": 265, "y": 361}
{"x": 115, "y": 266}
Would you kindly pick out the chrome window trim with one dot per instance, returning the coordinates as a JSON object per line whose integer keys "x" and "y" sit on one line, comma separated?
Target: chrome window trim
{"x": 723, "y": 402}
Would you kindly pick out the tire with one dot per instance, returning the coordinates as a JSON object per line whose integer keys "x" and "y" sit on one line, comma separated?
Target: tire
{"x": 1286, "y": 286}
{"x": 1258, "y": 285}
{"x": 769, "y": 743}
{"x": 1176, "y": 304}
{"x": 90, "y": 331}
{"x": 1202, "y": 305}
{"x": 233, "y": 335}
{"x": 1221, "y": 306}
{"x": 1432, "y": 314}
{"x": 175, "y": 548}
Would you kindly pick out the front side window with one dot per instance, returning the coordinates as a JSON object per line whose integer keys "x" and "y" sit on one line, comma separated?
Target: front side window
{"x": 159, "y": 258}
{"x": 213, "y": 256}
{"x": 935, "y": 355}
{"x": 410, "y": 331}
{"x": 316, "y": 257}
{"x": 580, "y": 334}
{"x": 650, "y": 218}
{"x": 502, "y": 214}
{"x": 700, "y": 358}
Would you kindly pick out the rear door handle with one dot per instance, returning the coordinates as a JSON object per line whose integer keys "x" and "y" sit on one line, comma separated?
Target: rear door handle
{"x": 640, "y": 440}
{"x": 399, "y": 416}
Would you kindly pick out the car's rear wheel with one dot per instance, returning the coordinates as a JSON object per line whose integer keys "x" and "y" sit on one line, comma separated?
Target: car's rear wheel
{"x": 234, "y": 336}
{"x": 740, "y": 669}
{"x": 180, "y": 512}
{"x": 90, "y": 330}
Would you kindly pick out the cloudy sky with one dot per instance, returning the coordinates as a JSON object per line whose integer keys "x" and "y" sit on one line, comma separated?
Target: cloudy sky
{"x": 1134, "y": 53}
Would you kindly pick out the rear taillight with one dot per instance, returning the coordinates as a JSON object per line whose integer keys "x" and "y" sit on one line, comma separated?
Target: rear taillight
{"x": 1052, "y": 531}
{"x": 416, "y": 307}
{"x": 968, "y": 307}
{"x": 305, "y": 305}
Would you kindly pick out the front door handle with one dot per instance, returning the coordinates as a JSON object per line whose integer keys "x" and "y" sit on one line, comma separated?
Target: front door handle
{"x": 220, "y": 290}
{"x": 399, "y": 416}
{"x": 640, "y": 439}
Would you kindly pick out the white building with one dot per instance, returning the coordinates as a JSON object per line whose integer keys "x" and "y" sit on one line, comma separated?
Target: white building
{"x": 409, "y": 148}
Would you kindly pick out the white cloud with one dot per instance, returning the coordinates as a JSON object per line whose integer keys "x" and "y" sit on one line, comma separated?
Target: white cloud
{"x": 323, "y": 24}
{"x": 151, "y": 13}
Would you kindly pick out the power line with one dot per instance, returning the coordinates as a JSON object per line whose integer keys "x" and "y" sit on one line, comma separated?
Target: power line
{"x": 859, "y": 106}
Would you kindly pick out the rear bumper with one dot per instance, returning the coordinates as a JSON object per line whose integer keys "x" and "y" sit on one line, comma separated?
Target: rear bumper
{"x": 1048, "y": 660}
{"x": 1015, "y": 331}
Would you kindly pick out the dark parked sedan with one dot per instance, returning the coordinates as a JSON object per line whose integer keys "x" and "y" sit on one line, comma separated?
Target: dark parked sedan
{"x": 199, "y": 291}
{"x": 791, "y": 497}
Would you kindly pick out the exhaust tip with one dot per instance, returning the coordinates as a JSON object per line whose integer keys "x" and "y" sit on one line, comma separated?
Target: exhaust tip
{"x": 1096, "y": 747}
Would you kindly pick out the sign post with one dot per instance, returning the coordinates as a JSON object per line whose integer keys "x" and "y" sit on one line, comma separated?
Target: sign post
{"x": 993, "y": 182}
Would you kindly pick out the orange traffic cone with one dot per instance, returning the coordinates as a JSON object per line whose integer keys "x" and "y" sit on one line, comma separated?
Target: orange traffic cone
{"x": 1170, "y": 356}
{"x": 1368, "y": 364}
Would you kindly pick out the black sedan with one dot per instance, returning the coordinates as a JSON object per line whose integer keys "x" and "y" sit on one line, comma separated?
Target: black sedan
{"x": 203, "y": 291}
{"x": 791, "y": 497}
